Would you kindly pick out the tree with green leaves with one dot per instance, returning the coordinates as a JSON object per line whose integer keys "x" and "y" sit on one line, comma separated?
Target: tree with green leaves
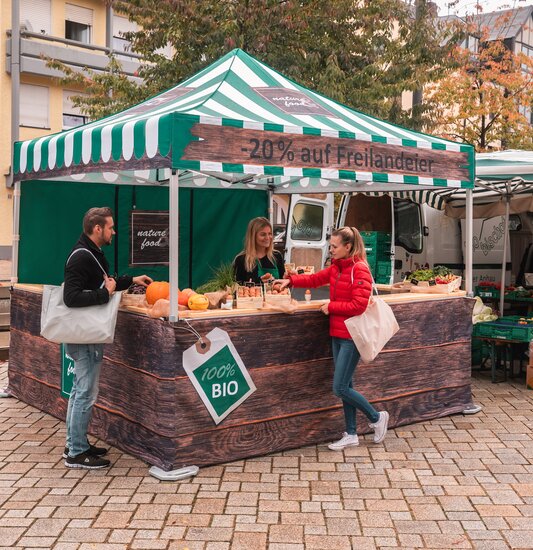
{"x": 363, "y": 54}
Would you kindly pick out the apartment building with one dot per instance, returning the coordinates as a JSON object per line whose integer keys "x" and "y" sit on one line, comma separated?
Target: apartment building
{"x": 513, "y": 26}
{"x": 80, "y": 33}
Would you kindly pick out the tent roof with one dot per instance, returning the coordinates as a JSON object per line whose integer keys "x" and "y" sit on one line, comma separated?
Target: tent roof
{"x": 238, "y": 95}
{"x": 499, "y": 175}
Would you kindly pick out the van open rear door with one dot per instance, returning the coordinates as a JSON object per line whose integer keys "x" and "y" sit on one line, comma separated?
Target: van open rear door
{"x": 309, "y": 227}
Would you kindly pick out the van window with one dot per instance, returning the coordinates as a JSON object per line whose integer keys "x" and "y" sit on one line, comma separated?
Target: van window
{"x": 307, "y": 222}
{"x": 407, "y": 225}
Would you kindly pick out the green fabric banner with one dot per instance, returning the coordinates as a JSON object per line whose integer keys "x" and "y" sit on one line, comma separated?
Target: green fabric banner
{"x": 212, "y": 227}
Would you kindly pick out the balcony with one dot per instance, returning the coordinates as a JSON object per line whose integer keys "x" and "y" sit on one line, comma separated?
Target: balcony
{"x": 35, "y": 48}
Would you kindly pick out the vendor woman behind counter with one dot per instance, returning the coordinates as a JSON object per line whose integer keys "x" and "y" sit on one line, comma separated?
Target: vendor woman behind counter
{"x": 258, "y": 262}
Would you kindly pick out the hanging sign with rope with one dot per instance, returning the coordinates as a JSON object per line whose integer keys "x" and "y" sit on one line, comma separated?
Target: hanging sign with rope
{"x": 218, "y": 374}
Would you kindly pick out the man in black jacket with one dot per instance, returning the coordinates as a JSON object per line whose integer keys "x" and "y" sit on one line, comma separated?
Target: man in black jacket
{"x": 87, "y": 283}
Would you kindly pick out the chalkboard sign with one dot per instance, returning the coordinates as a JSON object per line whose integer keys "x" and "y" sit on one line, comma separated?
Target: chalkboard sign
{"x": 149, "y": 237}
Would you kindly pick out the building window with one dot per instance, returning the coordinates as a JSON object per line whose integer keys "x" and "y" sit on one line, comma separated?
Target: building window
{"x": 72, "y": 115}
{"x": 34, "y": 106}
{"x": 36, "y": 16}
{"x": 78, "y": 23}
{"x": 122, "y": 25}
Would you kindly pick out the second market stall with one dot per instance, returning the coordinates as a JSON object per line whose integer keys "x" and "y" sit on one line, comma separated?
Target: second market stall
{"x": 240, "y": 125}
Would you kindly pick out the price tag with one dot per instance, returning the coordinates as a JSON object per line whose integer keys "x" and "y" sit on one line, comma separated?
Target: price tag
{"x": 432, "y": 282}
{"x": 414, "y": 282}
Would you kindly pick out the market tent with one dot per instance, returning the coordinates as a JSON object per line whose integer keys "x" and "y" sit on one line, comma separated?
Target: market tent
{"x": 504, "y": 186}
{"x": 241, "y": 125}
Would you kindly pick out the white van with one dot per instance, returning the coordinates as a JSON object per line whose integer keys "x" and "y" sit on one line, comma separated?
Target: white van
{"x": 421, "y": 235}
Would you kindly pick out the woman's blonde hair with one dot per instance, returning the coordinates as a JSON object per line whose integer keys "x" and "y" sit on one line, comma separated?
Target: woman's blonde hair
{"x": 350, "y": 235}
{"x": 250, "y": 251}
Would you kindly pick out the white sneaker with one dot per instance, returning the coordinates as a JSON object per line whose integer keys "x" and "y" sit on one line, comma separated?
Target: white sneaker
{"x": 347, "y": 440}
{"x": 380, "y": 427}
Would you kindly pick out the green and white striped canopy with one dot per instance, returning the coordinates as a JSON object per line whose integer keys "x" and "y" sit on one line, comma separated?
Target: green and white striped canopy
{"x": 296, "y": 140}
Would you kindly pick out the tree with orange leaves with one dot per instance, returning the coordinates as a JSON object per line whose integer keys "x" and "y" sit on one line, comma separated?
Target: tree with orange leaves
{"x": 487, "y": 99}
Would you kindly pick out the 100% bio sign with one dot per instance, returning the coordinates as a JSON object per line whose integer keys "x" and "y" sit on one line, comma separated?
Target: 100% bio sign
{"x": 221, "y": 380}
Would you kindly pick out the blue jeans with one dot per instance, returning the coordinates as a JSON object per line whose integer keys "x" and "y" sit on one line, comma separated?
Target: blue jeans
{"x": 87, "y": 362}
{"x": 345, "y": 358}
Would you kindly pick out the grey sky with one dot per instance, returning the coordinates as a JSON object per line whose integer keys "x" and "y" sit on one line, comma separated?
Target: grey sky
{"x": 462, "y": 7}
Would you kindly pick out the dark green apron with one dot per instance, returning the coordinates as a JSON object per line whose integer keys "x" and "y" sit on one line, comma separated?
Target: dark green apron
{"x": 274, "y": 271}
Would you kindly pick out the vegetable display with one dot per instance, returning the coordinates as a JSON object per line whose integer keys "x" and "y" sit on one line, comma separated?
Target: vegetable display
{"x": 157, "y": 290}
{"x": 440, "y": 274}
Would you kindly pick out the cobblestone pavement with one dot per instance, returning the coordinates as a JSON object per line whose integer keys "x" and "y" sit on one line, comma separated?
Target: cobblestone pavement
{"x": 455, "y": 482}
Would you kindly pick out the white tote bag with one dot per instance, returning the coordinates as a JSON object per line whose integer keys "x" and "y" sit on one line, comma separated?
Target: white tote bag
{"x": 374, "y": 328}
{"x": 77, "y": 325}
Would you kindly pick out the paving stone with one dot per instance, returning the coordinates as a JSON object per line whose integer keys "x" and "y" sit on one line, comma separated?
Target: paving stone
{"x": 286, "y": 534}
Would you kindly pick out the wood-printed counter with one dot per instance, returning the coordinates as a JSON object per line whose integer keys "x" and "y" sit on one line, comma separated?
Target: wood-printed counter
{"x": 148, "y": 407}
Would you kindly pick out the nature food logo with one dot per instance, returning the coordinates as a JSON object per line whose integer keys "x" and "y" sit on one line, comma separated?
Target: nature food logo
{"x": 292, "y": 101}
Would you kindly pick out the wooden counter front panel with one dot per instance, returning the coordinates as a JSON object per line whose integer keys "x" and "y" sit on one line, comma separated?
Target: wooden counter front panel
{"x": 148, "y": 407}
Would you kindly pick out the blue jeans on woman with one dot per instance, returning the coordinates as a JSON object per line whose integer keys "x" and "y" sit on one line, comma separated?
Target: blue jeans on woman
{"x": 345, "y": 358}
{"x": 87, "y": 362}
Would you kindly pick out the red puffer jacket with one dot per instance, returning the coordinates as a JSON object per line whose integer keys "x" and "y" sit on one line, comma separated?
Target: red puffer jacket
{"x": 346, "y": 298}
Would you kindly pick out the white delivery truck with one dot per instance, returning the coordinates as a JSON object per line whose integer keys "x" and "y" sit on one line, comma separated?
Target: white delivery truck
{"x": 421, "y": 236}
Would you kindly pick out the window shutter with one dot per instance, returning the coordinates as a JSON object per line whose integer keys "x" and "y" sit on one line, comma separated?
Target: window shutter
{"x": 36, "y": 15}
{"x": 68, "y": 106}
{"x": 122, "y": 25}
{"x": 34, "y": 106}
{"x": 77, "y": 14}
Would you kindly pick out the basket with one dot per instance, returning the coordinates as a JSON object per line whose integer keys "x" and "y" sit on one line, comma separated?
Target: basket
{"x": 246, "y": 302}
{"x": 425, "y": 288}
{"x": 136, "y": 300}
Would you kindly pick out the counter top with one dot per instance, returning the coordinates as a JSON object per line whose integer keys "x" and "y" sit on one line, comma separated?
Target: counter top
{"x": 313, "y": 305}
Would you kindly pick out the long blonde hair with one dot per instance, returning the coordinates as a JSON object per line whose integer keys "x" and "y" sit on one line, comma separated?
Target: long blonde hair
{"x": 350, "y": 235}
{"x": 250, "y": 251}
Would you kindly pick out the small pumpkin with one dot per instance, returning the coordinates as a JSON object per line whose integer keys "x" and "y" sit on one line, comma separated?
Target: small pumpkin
{"x": 184, "y": 295}
{"x": 198, "y": 302}
{"x": 157, "y": 290}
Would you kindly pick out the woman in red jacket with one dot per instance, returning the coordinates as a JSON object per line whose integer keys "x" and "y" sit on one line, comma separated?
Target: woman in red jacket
{"x": 350, "y": 283}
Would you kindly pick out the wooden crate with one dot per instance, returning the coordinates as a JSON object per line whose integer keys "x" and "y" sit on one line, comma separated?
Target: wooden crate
{"x": 247, "y": 302}
{"x": 277, "y": 299}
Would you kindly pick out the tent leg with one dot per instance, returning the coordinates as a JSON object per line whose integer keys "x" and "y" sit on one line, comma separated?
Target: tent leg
{"x": 173, "y": 263}
{"x": 468, "y": 241}
{"x": 16, "y": 234}
{"x": 271, "y": 207}
{"x": 471, "y": 408}
{"x": 504, "y": 260}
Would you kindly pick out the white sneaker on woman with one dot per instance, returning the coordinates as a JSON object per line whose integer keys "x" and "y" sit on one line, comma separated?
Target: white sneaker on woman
{"x": 346, "y": 440}
{"x": 380, "y": 427}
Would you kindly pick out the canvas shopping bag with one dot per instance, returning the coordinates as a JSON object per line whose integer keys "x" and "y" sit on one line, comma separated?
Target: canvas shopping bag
{"x": 77, "y": 325}
{"x": 371, "y": 330}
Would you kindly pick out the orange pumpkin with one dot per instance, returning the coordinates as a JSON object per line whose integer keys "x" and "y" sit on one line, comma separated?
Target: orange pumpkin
{"x": 198, "y": 301}
{"x": 184, "y": 295}
{"x": 157, "y": 290}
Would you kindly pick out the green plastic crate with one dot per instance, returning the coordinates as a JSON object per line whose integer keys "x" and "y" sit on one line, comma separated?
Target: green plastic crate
{"x": 486, "y": 292}
{"x": 383, "y": 269}
{"x": 480, "y": 350}
{"x": 375, "y": 238}
{"x": 506, "y": 328}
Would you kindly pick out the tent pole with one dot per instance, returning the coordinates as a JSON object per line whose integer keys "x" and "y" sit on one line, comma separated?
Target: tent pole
{"x": 16, "y": 234}
{"x": 469, "y": 203}
{"x": 173, "y": 264}
{"x": 504, "y": 260}
{"x": 271, "y": 206}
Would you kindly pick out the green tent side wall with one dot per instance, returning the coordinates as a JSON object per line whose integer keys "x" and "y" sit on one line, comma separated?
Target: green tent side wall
{"x": 212, "y": 226}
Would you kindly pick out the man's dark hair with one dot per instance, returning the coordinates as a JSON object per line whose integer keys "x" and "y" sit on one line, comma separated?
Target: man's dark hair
{"x": 95, "y": 216}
